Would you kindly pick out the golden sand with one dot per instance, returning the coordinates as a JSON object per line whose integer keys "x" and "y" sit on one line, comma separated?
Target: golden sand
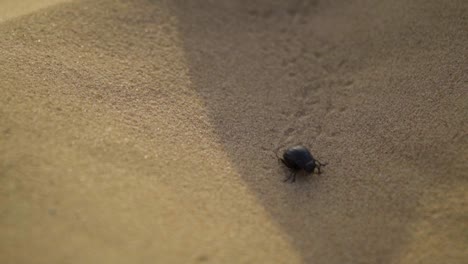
{"x": 145, "y": 131}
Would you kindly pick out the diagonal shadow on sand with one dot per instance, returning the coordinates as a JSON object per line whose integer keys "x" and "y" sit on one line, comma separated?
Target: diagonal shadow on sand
{"x": 331, "y": 76}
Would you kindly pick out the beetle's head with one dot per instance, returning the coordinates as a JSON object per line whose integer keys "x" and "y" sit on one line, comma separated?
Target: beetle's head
{"x": 309, "y": 167}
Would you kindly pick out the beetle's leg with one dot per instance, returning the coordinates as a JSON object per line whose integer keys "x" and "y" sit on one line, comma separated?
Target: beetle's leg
{"x": 287, "y": 179}
{"x": 292, "y": 175}
{"x": 284, "y": 162}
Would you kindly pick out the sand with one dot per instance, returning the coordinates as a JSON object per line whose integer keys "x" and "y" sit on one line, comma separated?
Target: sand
{"x": 145, "y": 131}
{"x": 12, "y": 8}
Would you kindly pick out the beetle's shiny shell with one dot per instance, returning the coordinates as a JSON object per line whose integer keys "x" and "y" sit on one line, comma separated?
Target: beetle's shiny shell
{"x": 297, "y": 157}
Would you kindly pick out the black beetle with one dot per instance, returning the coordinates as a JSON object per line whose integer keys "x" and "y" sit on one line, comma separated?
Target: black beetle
{"x": 299, "y": 158}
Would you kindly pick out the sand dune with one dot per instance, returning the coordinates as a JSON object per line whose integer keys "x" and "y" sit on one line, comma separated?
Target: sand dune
{"x": 145, "y": 131}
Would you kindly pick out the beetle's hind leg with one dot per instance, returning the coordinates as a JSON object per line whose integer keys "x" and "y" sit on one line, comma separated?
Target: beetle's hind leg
{"x": 280, "y": 159}
{"x": 291, "y": 176}
{"x": 284, "y": 162}
{"x": 287, "y": 179}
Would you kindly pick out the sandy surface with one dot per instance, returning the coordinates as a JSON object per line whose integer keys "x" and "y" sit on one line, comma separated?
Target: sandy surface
{"x": 14, "y": 8}
{"x": 145, "y": 131}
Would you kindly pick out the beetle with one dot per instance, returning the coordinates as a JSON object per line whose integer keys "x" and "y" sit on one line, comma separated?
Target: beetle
{"x": 299, "y": 158}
